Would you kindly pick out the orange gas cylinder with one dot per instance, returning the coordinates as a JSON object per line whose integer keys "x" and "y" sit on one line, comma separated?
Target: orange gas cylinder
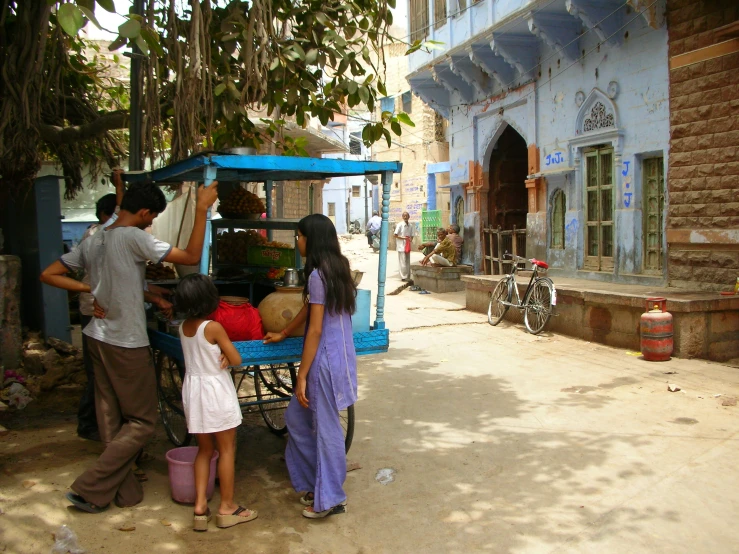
{"x": 656, "y": 331}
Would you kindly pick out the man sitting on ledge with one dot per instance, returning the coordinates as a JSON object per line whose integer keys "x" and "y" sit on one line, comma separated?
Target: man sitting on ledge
{"x": 428, "y": 247}
{"x": 455, "y": 239}
{"x": 444, "y": 254}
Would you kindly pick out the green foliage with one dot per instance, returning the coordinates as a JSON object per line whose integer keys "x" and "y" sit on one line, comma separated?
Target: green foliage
{"x": 208, "y": 66}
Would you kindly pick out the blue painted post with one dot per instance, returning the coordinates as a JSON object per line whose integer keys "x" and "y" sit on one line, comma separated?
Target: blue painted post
{"x": 387, "y": 182}
{"x": 268, "y": 205}
{"x": 431, "y": 191}
{"x": 209, "y": 175}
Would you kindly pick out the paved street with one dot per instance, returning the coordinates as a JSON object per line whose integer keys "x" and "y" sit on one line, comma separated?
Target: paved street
{"x": 500, "y": 442}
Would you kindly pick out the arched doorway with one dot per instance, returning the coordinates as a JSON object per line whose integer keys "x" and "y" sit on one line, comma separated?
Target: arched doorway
{"x": 459, "y": 211}
{"x": 507, "y": 197}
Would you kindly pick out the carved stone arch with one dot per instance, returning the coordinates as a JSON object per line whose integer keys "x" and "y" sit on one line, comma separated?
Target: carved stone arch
{"x": 598, "y": 112}
{"x": 490, "y": 146}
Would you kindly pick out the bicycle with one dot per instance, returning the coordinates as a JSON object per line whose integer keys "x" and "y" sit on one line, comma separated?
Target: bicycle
{"x": 538, "y": 299}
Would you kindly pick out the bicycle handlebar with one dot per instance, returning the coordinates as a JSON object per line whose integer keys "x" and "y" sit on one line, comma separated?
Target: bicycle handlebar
{"x": 515, "y": 258}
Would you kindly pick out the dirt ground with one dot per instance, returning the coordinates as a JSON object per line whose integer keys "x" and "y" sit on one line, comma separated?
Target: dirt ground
{"x": 500, "y": 442}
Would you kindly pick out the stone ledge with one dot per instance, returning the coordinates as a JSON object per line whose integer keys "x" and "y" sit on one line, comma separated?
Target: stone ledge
{"x": 581, "y": 291}
{"x": 705, "y": 324}
{"x": 440, "y": 279}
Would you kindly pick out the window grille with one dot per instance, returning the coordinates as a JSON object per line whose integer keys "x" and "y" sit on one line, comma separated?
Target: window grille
{"x": 387, "y": 104}
{"x": 419, "y": 14}
{"x": 439, "y": 128}
{"x": 355, "y": 146}
{"x": 407, "y": 98}
{"x": 439, "y": 13}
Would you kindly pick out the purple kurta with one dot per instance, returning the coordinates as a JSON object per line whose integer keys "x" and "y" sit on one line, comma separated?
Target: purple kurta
{"x": 315, "y": 453}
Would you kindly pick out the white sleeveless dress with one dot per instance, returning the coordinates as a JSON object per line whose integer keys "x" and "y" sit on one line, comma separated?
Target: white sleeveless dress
{"x": 208, "y": 393}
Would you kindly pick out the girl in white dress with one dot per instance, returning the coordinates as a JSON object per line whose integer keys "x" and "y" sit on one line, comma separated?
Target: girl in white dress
{"x": 209, "y": 398}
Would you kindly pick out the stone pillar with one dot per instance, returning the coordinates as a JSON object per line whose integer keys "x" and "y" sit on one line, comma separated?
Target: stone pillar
{"x": 11, "y": 342}
{"x": 536, "y": 219}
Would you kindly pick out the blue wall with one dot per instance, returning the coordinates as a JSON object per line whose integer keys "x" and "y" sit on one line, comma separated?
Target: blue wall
{"x": 631, "y": 80}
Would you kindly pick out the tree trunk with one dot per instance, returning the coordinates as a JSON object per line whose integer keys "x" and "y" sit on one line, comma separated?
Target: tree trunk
{"x": 11, "y": 342}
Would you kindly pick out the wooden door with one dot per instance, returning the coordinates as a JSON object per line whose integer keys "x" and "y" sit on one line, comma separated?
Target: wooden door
{"x": 599, "y": 196}
{"x": 653, "y": 209}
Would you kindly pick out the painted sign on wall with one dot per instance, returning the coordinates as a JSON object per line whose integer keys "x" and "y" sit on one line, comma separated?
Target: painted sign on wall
{"x": 628, "y": 192}
{"x": 555, "y": 159}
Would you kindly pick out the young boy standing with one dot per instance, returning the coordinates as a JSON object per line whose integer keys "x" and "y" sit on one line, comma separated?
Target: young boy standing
{"x": 125, "y": 381}
{"x": 106, "y": 210}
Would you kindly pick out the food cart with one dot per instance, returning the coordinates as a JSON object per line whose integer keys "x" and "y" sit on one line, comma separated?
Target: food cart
{"x": 264, "y": 381}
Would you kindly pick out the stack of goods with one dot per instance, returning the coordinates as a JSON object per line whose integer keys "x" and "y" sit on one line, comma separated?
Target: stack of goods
{"x": 276, "y": 273}
{"x": 159, "y": 272}
{"x": 233, "y": 246}
{"x": 241, "y": 203}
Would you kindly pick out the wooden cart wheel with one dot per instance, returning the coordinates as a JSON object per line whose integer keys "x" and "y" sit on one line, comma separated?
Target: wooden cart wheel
{"x": 271, "y": 384}
{"x": 276, "y": 382}
{"x": 347, "y": 423}
{"x": 170, "y": 374}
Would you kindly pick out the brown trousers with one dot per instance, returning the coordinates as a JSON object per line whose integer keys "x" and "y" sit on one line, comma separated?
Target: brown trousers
{"x": 126, "y": 408}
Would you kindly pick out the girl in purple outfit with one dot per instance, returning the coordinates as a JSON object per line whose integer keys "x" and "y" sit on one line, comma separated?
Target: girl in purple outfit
{"x": 327, "y": 378}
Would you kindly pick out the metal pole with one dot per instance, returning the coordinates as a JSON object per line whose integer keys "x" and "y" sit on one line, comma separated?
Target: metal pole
{"x": 209, "y": 175}
{"x": 366, "y": 206}
{"x": 268, "y": 202}
{"x": 134, "y": 148}
{"x": 387, "y": 182}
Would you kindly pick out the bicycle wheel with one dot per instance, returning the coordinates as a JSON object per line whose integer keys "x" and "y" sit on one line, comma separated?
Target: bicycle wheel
{"x": 538, "y": 305}
{"x": 347, "y": 423}
{"x": 170, "y": 374}
{"x": 496, "y": 307}
{"x": 275, "y": 384}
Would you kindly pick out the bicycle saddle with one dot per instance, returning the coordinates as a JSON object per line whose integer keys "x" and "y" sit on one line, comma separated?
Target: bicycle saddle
{"x": 539, "y": 263}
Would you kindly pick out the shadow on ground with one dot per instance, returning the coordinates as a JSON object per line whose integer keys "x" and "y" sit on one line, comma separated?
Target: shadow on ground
{"x": 473, "y": 474}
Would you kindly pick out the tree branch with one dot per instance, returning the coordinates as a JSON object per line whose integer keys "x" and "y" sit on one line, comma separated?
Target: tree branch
{"x": 76, "y": 133}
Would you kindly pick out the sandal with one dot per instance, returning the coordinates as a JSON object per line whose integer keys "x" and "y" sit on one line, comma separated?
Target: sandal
{"x": 200, "y": 521}
{"x": 82, "y": 504}
{"x": 307, "y": 499}
{"x": 229, "y": 520}
{"x": 415, "y": 288}
{"x": 338, "y": 509}
{"x": 424, "y": 292}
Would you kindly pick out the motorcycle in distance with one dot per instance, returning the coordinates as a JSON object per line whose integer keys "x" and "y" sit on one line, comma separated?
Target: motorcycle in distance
{"x": 376, "y": 242}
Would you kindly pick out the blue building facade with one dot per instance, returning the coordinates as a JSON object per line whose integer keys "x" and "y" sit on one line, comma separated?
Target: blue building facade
{"x": 348, "y": 199}
{"x": 559, "y": 124}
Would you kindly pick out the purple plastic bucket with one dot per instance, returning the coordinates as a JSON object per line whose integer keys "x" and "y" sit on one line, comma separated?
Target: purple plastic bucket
{"x": 182, "y": 474}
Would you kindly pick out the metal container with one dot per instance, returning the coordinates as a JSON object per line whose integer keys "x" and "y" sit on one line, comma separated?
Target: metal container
{"x": 656, "y": 331}
{"x": 291, "y": 278}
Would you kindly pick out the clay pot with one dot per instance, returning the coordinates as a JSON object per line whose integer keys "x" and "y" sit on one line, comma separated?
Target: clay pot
{"x": 280, "y": 308}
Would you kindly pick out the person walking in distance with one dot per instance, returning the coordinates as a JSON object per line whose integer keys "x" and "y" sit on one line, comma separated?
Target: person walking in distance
{"x": 125, "y": 380}
{"x": 327, "y": 377}
{"x": 404, "y": 238}
{"x": 373, "y": 227}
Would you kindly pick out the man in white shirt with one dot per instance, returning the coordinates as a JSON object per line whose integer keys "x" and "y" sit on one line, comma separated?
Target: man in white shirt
{"x": 373, "y": 227}
{"x": 403, "y": 237}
